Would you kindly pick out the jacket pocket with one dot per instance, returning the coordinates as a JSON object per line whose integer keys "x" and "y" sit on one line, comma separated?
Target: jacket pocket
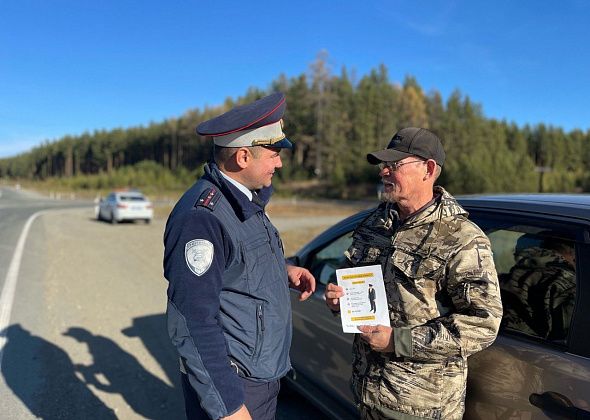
{"x": 425, "y": 271}
{"x": 257, "y": 254}
{"x": 412, "y": 385}
{"x": 365, "y": 253}
{"x": 413, "y": 288}
{"x": 259, "y": 333}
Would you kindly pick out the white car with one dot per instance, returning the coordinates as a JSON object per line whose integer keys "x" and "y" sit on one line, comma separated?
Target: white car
{"x": 125, "y": 205}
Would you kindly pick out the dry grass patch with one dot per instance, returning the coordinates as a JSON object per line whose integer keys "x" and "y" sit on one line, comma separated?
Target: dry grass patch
{"x": 299, "y": 208}
{"x": 293, "y": 240}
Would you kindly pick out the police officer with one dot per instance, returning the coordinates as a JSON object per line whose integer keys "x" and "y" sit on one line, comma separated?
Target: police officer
{"x": 229, "y": 312}
{"x": 441, "y": 285}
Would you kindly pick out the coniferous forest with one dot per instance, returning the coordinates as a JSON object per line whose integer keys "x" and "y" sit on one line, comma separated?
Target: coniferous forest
{"x": 333, "y": 120}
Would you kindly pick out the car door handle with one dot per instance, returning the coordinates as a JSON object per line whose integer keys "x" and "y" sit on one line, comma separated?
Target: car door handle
{"x": 558, "y": 406}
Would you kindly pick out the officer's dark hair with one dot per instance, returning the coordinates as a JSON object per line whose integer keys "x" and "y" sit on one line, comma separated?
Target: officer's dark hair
{"x": 223, "y": 154}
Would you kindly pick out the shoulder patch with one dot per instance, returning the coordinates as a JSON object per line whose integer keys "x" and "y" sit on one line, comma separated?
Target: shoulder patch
{"x": 209, "y": 198}
{"x": 198, "y": 254}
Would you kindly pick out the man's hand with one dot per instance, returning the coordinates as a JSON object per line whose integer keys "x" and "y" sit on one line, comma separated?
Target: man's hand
{"x": 379, "y": 337}
{"x": 301, "y": 279}
{"x": 333, "y": 294}
{"x": 241, "y": 414}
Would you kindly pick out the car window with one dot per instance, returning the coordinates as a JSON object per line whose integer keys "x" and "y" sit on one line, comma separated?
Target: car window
{"x": 537, "y": 274}
{"x": 325, "y": 261}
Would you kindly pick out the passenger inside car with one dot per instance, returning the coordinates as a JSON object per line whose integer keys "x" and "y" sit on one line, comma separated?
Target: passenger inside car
{"x": 539, "y": 291}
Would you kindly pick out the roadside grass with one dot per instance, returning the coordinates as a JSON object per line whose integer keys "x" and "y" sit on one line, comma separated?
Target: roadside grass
{"x": 294, "y": 239}
{"x": 280, "y": 206}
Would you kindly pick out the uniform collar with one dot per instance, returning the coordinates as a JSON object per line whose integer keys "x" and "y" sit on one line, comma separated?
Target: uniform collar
{"x": 238, "y": 185}
{"x": 242, "y": 206}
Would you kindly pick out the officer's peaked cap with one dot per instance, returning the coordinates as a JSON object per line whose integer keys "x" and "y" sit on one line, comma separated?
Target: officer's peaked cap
{"x": 255, "y": 124}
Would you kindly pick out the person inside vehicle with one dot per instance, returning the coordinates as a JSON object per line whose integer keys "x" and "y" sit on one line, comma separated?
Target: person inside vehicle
{"x": 540, "y": 289}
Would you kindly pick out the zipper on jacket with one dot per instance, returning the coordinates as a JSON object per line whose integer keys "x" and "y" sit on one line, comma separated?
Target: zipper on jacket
{"x": 259, "y": 332}
{"x": 280, "y": 242}
{"x": 279, "y": 256}
{"x": 268, "y": 235}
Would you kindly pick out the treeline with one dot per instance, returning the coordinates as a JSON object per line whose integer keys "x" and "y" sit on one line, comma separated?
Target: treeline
{"x": 334, "y": 121}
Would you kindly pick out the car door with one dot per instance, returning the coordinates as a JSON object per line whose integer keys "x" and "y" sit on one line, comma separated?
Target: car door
{"x": 538, "y": 367}
{"x": 103, "y": 207}
{"x": 322, "y": 353}
{"x": 111, "y": 205}
{"x": 528, "y": 373}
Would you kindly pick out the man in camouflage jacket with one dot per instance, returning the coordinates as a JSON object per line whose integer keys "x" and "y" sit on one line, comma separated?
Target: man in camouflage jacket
{"x": 441, "y": 284}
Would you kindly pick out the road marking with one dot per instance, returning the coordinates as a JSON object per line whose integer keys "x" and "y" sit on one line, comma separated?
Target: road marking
{"x": 7, "y": 296}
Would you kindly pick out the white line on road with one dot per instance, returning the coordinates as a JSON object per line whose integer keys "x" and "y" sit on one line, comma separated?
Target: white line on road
{"x": 7, "y": 296}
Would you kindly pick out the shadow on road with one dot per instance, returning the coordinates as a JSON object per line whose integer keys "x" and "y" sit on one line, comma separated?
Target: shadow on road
{"x": 152, "y": 331}
{"x": 46, "y": 380}
{"x": 43, "y": 376}
{"x": 118, "y": 372}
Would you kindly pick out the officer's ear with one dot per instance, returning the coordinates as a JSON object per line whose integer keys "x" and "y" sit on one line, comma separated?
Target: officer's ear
{"x": 243, "y": 157}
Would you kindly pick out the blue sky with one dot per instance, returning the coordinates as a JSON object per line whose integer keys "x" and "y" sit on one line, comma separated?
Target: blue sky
{"x": 72, "y": 66}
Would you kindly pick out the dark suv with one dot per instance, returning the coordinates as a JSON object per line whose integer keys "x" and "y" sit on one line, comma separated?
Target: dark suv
{"x": 539, "y": 366}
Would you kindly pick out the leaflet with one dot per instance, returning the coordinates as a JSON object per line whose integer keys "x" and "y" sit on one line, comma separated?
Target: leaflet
{"x": 364, "y": 301}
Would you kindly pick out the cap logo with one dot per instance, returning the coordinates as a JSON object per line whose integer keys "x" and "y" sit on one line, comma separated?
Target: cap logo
{"x": 261, "y": 136}
{"x": 396, "y": 140}
{"x": 268, "y": 142}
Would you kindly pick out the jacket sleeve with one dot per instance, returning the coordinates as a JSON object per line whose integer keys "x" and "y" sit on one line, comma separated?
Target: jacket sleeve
{"x": 471, "y": 323}
{"x": 195, "y": 282}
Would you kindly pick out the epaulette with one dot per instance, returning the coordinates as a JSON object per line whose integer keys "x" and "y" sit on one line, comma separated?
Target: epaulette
{"x": 209, "y": 198}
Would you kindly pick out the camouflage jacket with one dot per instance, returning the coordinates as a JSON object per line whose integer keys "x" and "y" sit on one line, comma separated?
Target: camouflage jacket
{"x": 444, "y": 305}
{"x": 541, "y": 289}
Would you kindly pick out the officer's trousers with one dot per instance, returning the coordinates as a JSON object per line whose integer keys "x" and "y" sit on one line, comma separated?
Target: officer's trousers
{"x": 261, "y": 399}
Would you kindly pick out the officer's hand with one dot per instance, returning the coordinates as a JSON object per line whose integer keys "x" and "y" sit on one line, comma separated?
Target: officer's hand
{"x": 301, "y": 279}
{"x": 379, "y": 337}
{"x": 241, "y": 414}
{"x": 333, "y": 294}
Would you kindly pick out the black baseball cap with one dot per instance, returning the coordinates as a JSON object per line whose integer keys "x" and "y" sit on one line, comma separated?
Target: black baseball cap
{"x": 410, "y": 141}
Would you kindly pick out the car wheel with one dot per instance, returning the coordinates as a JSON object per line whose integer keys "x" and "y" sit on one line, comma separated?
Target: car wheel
{"x": 147, "y": 221}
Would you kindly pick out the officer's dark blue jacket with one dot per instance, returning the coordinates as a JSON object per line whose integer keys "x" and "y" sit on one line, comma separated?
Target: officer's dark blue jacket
{"x": 235, "y": 318}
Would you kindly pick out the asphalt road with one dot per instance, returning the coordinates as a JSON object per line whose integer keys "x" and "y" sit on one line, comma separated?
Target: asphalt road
{"x": 16, "y": 206}
{"x": 85, "y": 336}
